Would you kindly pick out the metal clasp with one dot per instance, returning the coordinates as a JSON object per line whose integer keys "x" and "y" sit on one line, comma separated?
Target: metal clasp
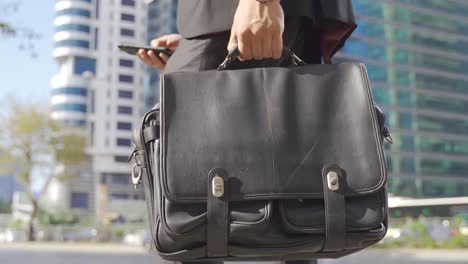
{"x": 136, "y": 177}
{"x": 217, "y": 185}
{"x": 333, "y": 181}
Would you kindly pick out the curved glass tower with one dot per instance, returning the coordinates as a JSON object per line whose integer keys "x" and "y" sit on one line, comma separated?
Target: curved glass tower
{"x": 416, "y": 55}
{"x": 100, "y": 89}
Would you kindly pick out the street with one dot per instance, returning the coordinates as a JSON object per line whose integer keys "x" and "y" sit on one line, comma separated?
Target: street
{"x": 119, "y": 254}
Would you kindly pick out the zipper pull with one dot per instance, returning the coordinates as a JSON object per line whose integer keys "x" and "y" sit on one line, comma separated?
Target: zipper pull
{"x": 387, "y": 135}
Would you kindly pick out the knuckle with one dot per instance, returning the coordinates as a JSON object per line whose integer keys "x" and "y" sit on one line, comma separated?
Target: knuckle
{"x": 244, "y": 34}
{"x": 275, "y": 29}
{"x": 258, "y": 31}
{"x": 271, "y": 28}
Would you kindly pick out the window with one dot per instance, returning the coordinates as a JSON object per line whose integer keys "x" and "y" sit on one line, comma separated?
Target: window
{"x": 72, "y": 43}
{"x": 73, "y": 27}
{"x": 74, "y": 12}
{"x": 79, "y": 200}
{"x": 127, "y": 17}
{"x": 70, "y": 91}
{"x": 127, "y": 32}
{"x": 103, "y": 178}
{"x": 96, "y": 15}
{"x": 125, "y": 78}
{"x": 125, "y": 110}
{"x": 125, "y": 94}
{"x": 74, "y": 123}
{"x": 126, "y": 63}
{"x": 128, "y": 2}
{"x": 91, "y": 129}
{"x": 120, "y": 178}
{"x": 96, "y": 38}
{"x": 121, "y": 159}
{"x": 83, "y": 64}
{"x": 92, "y": 101}
{"x": 119, "y": 195}
{"x": 124, "y": 126}
{"x": 70, "y": 107}
{"x": 124, "y": 142}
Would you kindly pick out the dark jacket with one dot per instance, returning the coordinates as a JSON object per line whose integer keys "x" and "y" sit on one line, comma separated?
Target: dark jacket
{"x": 335, "y": 18}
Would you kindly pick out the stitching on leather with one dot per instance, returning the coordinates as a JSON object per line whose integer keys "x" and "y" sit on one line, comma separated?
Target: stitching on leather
{"x": 270, "y": 131}
{"x": 370, "y": 105}
{"x": 293, "y": 173}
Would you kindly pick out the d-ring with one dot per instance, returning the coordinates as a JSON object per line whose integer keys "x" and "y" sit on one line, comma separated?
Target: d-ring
{"x": 136, "y": 179}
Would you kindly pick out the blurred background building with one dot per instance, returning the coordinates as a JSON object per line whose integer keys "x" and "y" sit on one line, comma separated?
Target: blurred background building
{"x": 416, "y": 54}
{"x": 9, "y": 185}
{"x": 161, "y": 21}
{"x": 99, "y": 88}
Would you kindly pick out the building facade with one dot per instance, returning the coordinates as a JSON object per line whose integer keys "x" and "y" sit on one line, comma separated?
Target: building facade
{"x": 100, "y": 89}
{"x": 161, "y": 20}
{"x": 9, "y": 185}
{"x": 415, "y": 52}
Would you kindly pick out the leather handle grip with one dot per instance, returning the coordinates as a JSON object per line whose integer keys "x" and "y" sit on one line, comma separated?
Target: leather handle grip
{"x": 287, "y": 54}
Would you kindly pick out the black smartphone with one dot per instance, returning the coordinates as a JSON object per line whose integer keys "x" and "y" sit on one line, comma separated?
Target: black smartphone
{"x": 133, "y": 50}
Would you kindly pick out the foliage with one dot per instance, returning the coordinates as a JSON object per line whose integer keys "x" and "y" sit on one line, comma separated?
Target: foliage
{"x": 7, "y": 29}
{"x": 59, "y": 217}
{"x": 34, "y": 144}
{"x": 16, "y": 224}
{"x": 25, "y": 35}
{"x": 5, "y": 208}
{"x": 419, "y": 237}
{"x": 423, "y": 238}
{"x": 457, "y": 241}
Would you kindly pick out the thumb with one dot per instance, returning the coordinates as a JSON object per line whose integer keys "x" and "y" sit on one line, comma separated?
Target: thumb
{"x": 232, "y": 40}
{"x": 159, "y": 42}
{"x": 172, "y": 41}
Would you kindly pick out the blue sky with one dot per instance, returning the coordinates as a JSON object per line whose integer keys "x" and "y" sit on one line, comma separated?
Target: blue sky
{"x": 22, "y": 76}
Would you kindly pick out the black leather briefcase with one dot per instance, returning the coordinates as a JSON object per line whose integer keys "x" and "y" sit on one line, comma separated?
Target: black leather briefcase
{"x": 264, "y": 164}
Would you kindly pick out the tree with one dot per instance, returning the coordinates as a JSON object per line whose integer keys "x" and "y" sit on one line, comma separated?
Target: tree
{"x": 25, "y": 35}
{"x": 32, "y": 141}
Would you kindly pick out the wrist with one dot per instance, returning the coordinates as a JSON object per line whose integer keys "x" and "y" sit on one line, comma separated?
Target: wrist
{"x": 268, "y": 1}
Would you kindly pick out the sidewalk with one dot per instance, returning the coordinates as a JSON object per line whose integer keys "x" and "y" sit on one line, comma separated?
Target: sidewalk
{"x": 75, "y": 247}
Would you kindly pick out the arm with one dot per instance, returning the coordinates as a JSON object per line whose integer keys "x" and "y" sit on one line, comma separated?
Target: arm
{"x": 257, "y": 29}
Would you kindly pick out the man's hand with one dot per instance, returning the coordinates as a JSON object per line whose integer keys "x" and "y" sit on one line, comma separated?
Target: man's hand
{"x": 170, "y": 41}
{"x": 257, "y": 30}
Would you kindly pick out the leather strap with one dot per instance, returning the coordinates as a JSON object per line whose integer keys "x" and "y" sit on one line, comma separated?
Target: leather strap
{"x": 335, "y": 213}
{"x": 217, "y": 214}
{"x": 151, "y": 133}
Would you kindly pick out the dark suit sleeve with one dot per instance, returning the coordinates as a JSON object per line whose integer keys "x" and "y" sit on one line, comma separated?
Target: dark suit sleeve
{"x": 337, "y": 21}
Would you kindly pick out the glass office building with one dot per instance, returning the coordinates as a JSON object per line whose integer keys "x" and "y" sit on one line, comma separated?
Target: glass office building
{"x": 161, "y": 20}
{"x": 416, "y": 54}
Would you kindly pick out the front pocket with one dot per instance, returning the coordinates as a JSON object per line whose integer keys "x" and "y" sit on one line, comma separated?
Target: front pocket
{"x": 308, "y": 216}
{"x": 312, "y": 244}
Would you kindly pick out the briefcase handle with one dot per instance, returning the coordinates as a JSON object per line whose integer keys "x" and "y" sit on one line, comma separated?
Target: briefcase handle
{"x": 287, "y": 54}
